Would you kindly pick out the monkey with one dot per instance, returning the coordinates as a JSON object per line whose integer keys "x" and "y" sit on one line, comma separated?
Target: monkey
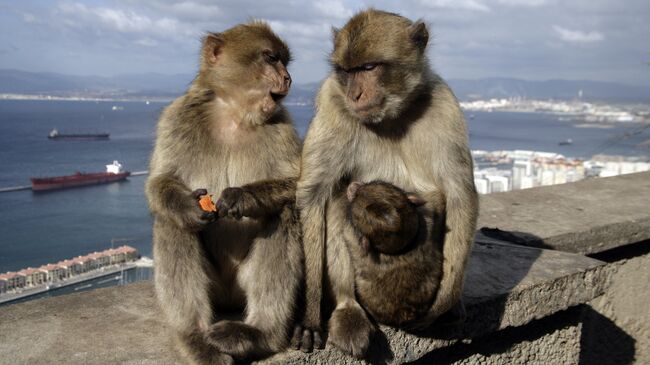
{"x": 381, "y": 114}
{"x": 397, "y": 266}
{"x": 385, "y": 216}
{"x": 229, "y": 133}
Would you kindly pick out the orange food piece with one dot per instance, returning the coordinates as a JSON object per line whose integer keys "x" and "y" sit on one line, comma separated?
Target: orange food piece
{"x": 206, "y": 203}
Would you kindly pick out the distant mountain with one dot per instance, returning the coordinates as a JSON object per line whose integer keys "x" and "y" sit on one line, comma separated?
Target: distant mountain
{"x": 169, "y": 86}
{"x": 149, "y": 84}
{"x": 489, "y": 88}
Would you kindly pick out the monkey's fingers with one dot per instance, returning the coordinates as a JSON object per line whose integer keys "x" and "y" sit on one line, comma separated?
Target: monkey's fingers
{"x": 226, "y": 210}
{"x": 306, "y": 344}
{"x": 306, "y": 340}
{"x": 318, "y": 341}
{"x": 198, "y": 193}
{"x": 295, "y": 339}
{"x": 209, "y": 216}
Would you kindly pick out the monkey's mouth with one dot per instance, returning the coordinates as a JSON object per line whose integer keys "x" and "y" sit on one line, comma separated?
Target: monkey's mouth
{"x": 272, "y": 101}
{"x": 277, "y": 97}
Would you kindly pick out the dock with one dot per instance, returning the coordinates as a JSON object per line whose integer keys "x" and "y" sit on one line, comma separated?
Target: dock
{"x": 15, "y": 188}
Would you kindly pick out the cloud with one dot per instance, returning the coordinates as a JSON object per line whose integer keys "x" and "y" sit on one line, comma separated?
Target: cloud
{"x": 528, "y": 3}
{"x": 123, "y": 21}
{"x": 473, "y": 5}
{"x": 333, "y": 8}
{"x": 577, "y": 36}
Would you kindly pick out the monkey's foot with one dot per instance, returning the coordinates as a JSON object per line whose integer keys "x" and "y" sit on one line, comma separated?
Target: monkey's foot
{"x": 195, "y": 347}
{"x": 237, "y": 339}
{"x": 306, "y": 339}
{"x": 350, "y": 330}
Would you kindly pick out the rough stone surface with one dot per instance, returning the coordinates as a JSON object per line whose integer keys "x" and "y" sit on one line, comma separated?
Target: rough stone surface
{"x": 552, "y": 340}
{"x": 617, "y": 330}
{"x": 585, "y": 217}
{"x": 507, "y": 285}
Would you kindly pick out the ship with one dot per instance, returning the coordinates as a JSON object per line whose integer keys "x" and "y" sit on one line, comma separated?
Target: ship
{"x": 113, "y": 173}
{"x": 566, "y": 142}
{"x": 55, "y": 135}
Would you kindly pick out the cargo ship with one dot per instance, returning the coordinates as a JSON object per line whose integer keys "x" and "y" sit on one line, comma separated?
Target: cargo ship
{"x": 55, "y": 135}
{"x": 113, "y": 173}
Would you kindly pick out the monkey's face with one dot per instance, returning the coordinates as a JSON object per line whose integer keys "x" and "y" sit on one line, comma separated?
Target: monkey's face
{"x": 378, "y": 63}
{"x": 249, "y": 62}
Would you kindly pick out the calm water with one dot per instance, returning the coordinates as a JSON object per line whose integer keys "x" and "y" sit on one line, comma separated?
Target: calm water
{"x": 37, "y": 228}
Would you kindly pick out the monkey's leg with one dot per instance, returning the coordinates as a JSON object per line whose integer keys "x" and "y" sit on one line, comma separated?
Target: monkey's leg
{"x": 270, "y": 277}
{"x": 182, "y": 279}
{"x": 349, "y": 327}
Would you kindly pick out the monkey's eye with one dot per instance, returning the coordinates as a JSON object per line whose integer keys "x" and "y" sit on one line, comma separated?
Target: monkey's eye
{"x": 369, "y": 66}
{"x": 271, "y": 57}
{"x": 340, "y": 69}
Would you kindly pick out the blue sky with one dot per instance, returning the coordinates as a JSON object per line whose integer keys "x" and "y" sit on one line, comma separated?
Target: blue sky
{"x": 529, "y": 39}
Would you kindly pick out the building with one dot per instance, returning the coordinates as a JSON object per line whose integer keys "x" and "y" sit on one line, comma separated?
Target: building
{"x": 54, "y": 272}
{"x": 33, "y": 277}
{"x": 13, "y": 281}
{"x": 71, "y": 267}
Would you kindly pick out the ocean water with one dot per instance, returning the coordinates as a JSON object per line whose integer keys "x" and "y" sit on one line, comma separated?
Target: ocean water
{"x": 38, "y": 228}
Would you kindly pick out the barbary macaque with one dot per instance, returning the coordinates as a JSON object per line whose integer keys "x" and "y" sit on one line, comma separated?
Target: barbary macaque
{"x": 381, "y": 114}
{"x": 397, "y": 264}
{"x": 229, "y": 133}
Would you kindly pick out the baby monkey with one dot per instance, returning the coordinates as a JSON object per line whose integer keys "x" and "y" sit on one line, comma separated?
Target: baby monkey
{"x": 397, "y": 267}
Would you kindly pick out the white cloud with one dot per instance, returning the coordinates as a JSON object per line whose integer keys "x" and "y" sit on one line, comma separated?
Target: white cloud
{"x": 529, "y": 3}
{"x": 79, "y": 15}
{"x": 577, "y": 36}
{"x": 190, "y": 10}
{"x": 333, "y": 8}
{"x": 473, "y": 5}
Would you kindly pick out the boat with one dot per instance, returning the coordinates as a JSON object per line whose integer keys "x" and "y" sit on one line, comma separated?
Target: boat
{"x": 55, "y": 135}
{"x": 566, "y": 142}
{"x": 113, "y": 173}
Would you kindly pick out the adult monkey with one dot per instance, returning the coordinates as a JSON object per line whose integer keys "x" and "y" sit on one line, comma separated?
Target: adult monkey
{"x": 382, "y": 114}
{"x": 228, "y": 129}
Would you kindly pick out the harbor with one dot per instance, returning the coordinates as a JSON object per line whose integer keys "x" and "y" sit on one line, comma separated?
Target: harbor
{"x": 113, "y": 266}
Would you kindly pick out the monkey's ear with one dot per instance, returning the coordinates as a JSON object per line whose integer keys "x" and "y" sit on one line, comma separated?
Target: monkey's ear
{"x": 335, "y": 33}
{"x": 212, "y": 45}
{"x": 419, "y": 34}
{"x": 352, "y": 190}
{"x": 415, "y": 199}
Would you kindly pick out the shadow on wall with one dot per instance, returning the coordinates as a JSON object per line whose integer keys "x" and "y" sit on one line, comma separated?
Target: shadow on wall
{"x": 603, "y": 342}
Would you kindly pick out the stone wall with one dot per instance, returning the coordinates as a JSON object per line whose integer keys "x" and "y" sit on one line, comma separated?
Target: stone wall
{"x": 528, "y": 301}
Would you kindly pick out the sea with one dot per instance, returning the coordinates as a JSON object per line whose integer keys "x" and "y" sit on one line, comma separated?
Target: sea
{"x": 46, "y": 227}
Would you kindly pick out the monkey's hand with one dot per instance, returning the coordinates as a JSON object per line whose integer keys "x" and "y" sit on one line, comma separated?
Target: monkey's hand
{"x": 307, "y": 338}
{"x": 235, "y": 203}
{"x": 192, "y": 217}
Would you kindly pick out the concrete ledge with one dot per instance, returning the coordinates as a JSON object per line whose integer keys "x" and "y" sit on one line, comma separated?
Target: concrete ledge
{"x": 585, "y": 217}
{"x": 507, "y": 285}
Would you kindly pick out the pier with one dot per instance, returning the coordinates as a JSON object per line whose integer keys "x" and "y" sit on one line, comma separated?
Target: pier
{"x": 15, "y": 188}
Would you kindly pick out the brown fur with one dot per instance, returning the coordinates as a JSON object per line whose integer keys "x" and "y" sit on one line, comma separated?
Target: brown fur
{"x": 410, "y": 133}
{"x": 397, "y": 276}
{"x": 229, "y": 129}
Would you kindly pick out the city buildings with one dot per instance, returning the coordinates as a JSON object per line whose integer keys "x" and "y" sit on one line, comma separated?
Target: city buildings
{"x": 51, "y": 273}
{"x": 498, "y": 171}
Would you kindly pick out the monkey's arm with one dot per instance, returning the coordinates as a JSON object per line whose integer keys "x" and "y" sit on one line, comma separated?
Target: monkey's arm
{"x": 171, "y": 199}
{"x": 461, "y": 215}
{"x": 258, "y": 199}
{"x": 325, "y": 160}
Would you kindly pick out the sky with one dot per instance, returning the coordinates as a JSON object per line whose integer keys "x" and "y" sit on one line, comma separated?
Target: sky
{"x": 528, "y": 39}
